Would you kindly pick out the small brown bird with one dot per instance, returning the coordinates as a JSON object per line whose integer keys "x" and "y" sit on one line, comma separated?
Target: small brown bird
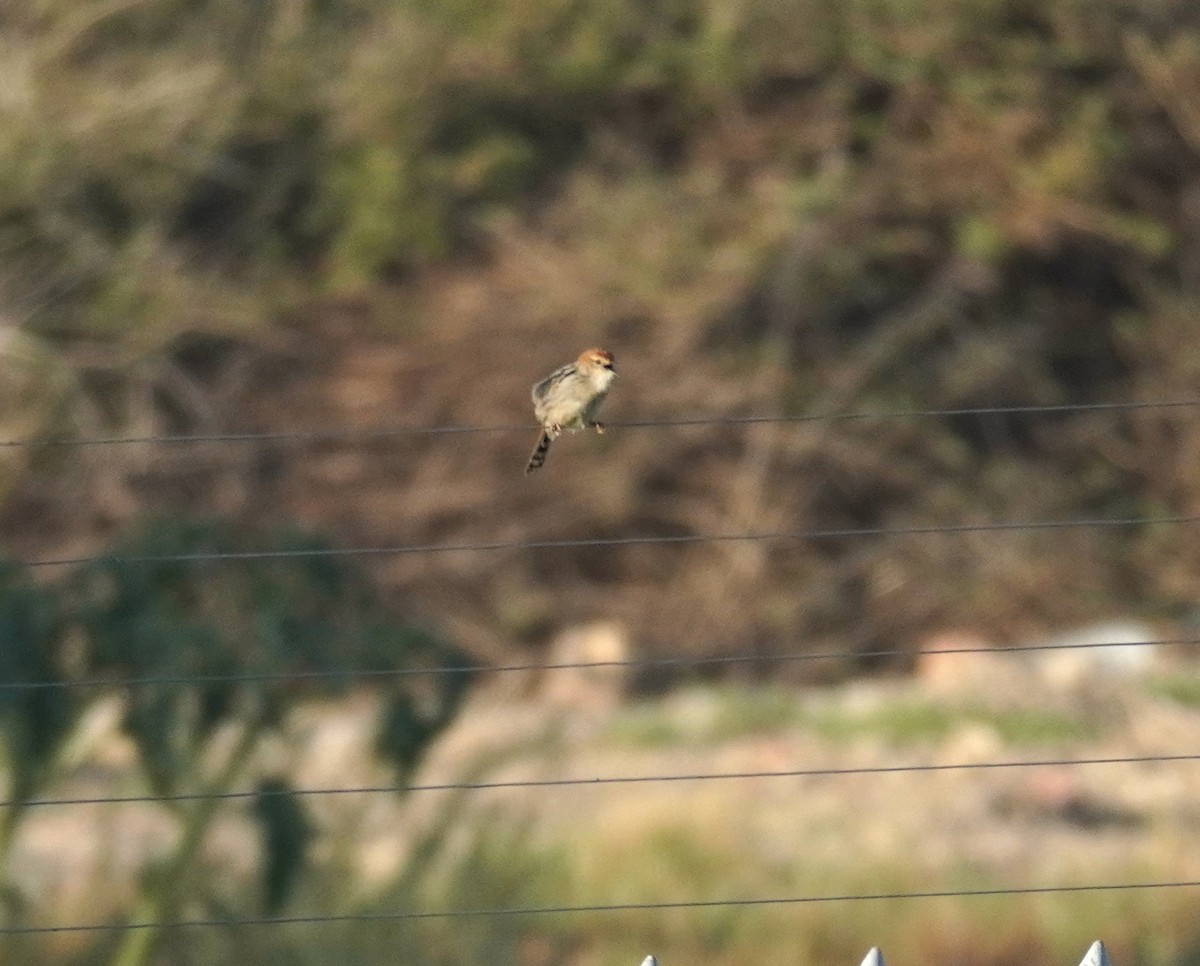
{"x": 570, "y": 398}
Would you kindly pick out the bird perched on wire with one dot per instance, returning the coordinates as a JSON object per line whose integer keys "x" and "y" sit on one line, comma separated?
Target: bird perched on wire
{"x": 570, "y": 398}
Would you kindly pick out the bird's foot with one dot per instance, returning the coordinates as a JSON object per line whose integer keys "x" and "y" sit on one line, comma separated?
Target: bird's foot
{"x": 598, "y": 427}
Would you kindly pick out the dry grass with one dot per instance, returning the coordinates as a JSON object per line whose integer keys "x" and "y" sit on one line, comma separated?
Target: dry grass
{"x": 814, "y": 836}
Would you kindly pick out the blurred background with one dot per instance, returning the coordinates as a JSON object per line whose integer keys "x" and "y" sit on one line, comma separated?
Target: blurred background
{"x": 903, "y": 298}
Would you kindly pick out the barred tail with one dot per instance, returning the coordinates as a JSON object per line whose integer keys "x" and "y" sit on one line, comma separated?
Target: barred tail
{"x": 539, "y": 452}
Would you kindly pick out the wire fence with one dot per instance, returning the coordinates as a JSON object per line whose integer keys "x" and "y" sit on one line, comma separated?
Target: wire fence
{"x": 616, "y": 907}
{"x": 715, "y": 660}
{"x": 810, "y": 533}
{"x": 596, "y": 780}
{"x": 359, "y": 434}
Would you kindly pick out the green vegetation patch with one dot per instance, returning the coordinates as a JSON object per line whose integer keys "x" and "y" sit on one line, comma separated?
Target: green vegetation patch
{"x": 731, "y": 712}
{"x": 912, "y": 722}
{"x": 1181, "y": 688}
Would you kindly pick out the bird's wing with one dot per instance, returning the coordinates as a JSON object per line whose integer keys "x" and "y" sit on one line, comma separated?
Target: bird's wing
{"x": 543, "y": 388}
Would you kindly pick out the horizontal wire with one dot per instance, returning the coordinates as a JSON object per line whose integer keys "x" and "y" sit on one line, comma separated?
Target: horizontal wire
{"x": 560, "y": 544}
{"x": 384, "y": 432}
{"x": 595, "y": 781}
{"x": 409, "y": 914}
{"x": 633, "y": 662}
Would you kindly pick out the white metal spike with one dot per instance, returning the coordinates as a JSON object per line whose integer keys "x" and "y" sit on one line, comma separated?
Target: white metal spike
{"x": 874, "y": 957}
{"x": 649, "y": 961}
{"x": 1097, "y": 955}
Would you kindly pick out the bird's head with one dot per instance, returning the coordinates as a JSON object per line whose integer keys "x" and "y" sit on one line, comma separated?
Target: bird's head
{"x": 600, "y": 358}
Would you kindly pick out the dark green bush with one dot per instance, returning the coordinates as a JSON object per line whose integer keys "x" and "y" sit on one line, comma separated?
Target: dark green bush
{"x": 198, "y": 631}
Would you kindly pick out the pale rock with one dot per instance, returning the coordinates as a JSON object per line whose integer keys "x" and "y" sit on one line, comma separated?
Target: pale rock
{"x": 589, "y": 666}
{"x": 952, "y": 662}
{"x": 1112, "y": 649}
